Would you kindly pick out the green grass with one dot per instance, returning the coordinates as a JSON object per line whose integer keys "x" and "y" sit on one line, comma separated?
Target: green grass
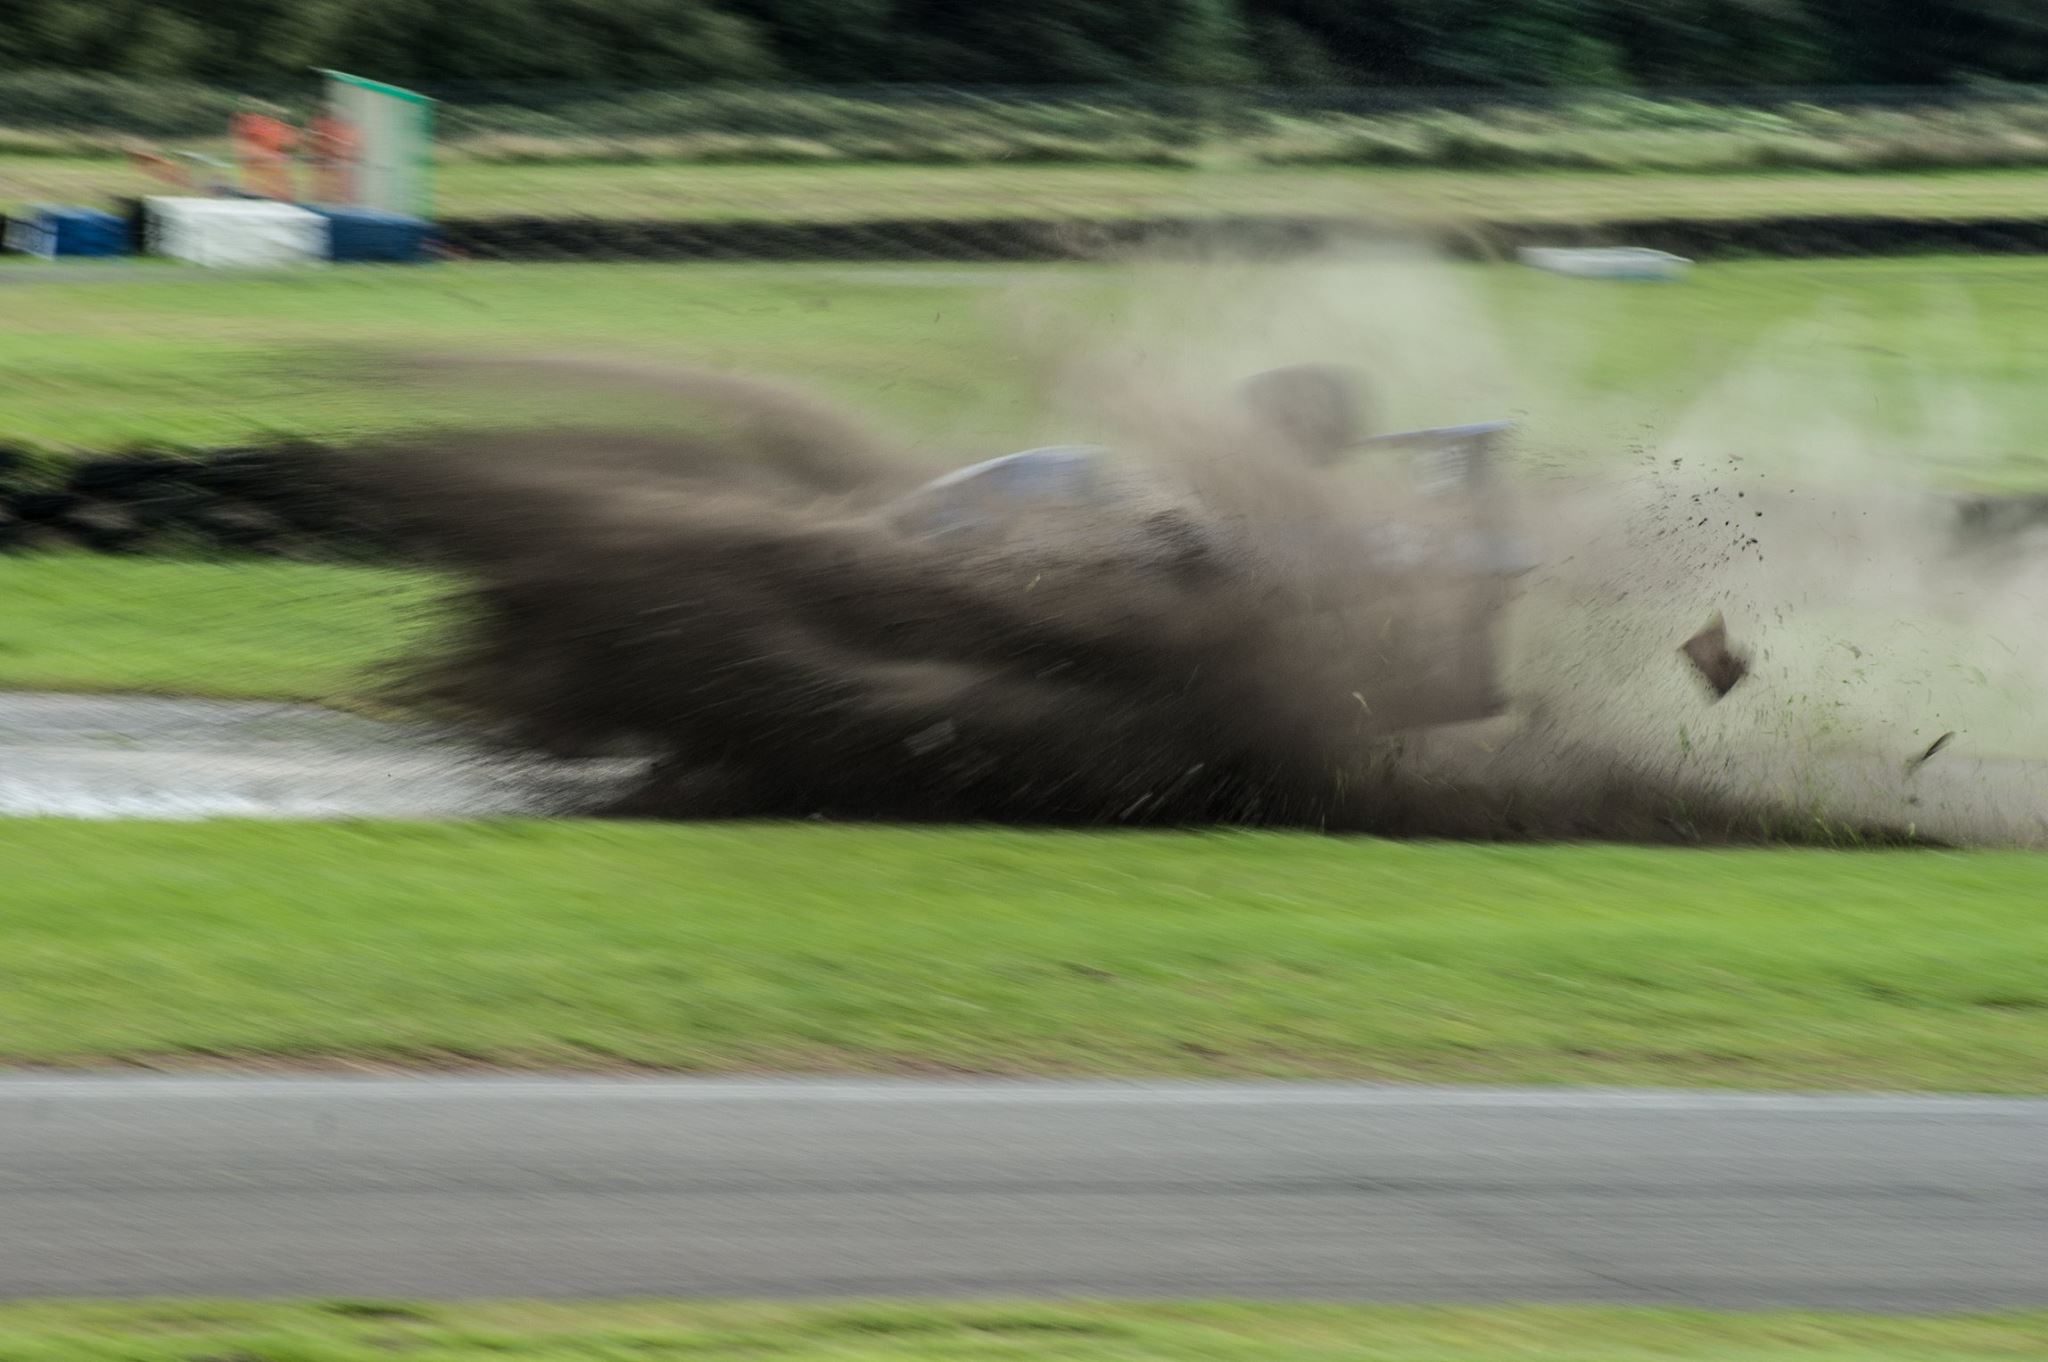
{"x": 1929, "y": 362}
{"x": 162, "y": 353}
{"x": 856, "y": 192}
{"x": 363, "y": 1331}
{"x": 265, "y": 630}
{"x": 829, "y": 193}
{"x": 867, "y": 950}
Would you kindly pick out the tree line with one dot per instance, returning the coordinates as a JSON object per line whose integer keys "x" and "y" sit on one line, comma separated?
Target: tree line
{"x": 1620, "y": 44}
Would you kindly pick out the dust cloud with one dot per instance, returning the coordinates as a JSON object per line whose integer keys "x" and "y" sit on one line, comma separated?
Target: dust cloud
{"x": 734, "y": 599}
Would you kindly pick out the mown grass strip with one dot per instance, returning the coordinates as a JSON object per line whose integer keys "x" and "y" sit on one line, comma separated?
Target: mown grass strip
{"x": 379, "y": 1331}
{"x": 876, "y": 950}
{"x": 287, "y": 631}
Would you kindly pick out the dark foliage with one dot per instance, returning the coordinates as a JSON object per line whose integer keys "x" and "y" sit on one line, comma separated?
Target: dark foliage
{"x": 1419, "y": 43}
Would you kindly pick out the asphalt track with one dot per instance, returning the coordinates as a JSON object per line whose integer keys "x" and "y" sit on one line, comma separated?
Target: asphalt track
{"x": 560, "y": 1187}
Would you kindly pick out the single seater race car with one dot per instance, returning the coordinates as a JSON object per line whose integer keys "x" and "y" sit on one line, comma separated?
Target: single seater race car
{"x": 1442, "y": 557}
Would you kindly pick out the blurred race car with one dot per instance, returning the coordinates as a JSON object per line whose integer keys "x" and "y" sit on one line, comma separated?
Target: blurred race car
{"x": 1441, "y": 556}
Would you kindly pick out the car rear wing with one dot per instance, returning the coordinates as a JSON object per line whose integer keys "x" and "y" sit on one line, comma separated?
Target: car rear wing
{"x": 1459, "y": 465}
{"x": 1449, "y": 459}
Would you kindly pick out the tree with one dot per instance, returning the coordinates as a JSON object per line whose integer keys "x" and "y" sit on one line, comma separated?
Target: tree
{"x": 853, "y": 42}
{"x": 654, "y": 42}
{"x": 1913, "y": 42}
{"x": 1203, "y": 42}
{"x": 1074, "y": 42}
{"x": 1726, "y": 42}
{"x": 1405, "y": 43}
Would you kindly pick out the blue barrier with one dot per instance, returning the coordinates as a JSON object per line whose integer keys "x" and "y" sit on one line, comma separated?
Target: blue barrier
{"x": 361, "y": 235}
{"x": 51, "y": 231}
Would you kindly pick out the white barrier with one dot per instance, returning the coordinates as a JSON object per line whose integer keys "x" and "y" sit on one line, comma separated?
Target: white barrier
{"x": 235, "y": 233}
{"x": 1606, "y": 262}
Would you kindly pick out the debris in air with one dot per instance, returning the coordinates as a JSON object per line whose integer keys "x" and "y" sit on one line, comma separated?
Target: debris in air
{"x": 1720, "y": 666}
{"x": 1917, "y": 762}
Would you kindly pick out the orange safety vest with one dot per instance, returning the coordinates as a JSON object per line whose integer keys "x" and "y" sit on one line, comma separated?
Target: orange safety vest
{"x": 264, "y": 145}
{"x": 332, "y": 143}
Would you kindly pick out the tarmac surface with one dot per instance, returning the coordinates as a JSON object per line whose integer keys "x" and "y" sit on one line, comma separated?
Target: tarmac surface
{"x": 466, "y": 1187}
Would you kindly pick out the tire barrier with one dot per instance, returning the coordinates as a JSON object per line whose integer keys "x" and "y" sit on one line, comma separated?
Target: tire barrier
{"x": 282, "y": 499}
{"x": 1814, "y": 237}
{"x": 1016, "y": 240}
{"x": 1026, "y": 240}
{"x": 2009, "y": 523}
{"x": 274, "y": 500}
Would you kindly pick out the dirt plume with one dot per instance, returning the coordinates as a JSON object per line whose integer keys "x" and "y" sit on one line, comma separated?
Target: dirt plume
{"x": 733, "y": 605}
{"x": 727, "y": 593}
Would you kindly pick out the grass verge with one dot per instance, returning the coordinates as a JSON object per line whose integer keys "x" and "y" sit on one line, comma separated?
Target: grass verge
{"x": 155, "y": 352}
{"x": 284, "y": 631}
{"x": 1931, "y": 364}
{"x": 845, "y": 193}
{"x": 806, "y": 948}
{"x": 359, "y": 1331}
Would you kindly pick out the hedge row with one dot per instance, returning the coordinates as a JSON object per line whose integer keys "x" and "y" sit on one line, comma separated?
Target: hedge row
{"x": 274, "y": 499}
